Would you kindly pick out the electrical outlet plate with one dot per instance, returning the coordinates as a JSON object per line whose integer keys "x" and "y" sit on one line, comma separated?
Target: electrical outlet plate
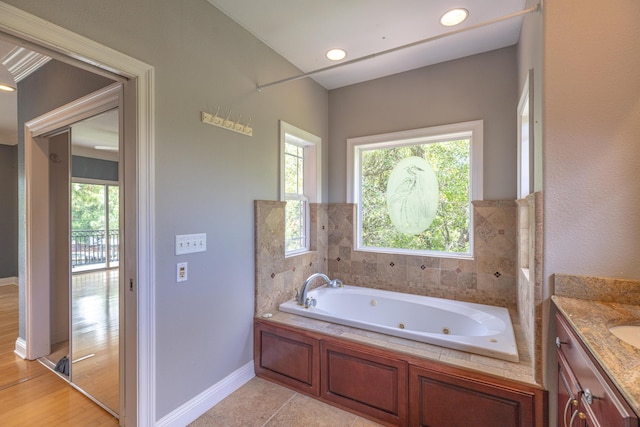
{"x": 191, "y": 243}
{"x": 181, "y": 272}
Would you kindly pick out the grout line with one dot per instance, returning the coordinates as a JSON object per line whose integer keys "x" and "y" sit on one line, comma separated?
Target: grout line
{"x": 279, "y": 409}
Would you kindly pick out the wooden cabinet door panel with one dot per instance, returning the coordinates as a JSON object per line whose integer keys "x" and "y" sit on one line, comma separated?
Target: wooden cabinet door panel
{"x": 371, "y": 384}
{"x": 287, "y": 357}
{"x": 440, "y": 400}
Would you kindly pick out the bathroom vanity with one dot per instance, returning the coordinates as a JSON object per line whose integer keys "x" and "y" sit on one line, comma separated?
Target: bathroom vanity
{"x": 391, "y": 387}
{"x": 597, "y": 373}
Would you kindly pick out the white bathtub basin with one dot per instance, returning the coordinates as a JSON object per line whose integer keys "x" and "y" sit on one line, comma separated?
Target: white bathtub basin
{"x": 475, "y": 328}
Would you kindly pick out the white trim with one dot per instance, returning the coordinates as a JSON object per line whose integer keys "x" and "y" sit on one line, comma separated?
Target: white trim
{"x": 21, "y": 348}
{"x": 29, "y": 27}
{"x": 306, "y": 140}
{"x": 526, "y": 100}
{"x": 96, "y": 102}
{"x": 5, "y": 281}
{"x": 191, "y": 410}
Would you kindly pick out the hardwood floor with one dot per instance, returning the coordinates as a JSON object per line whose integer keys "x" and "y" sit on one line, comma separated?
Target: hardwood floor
{"x": 30, "y": 394}
{"x": 95, "y": 334}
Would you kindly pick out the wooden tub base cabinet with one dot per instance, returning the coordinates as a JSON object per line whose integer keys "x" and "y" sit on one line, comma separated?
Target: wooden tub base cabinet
{"x": 390, "y": 388}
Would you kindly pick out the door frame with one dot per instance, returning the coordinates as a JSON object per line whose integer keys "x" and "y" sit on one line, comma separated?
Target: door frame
{"x": 139, "y": 93}
{"x": 36, "y": 171}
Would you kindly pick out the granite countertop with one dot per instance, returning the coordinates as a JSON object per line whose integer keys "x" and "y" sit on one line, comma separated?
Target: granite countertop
{"x": 522, "y": 372}
{"x": 591, "y": 320}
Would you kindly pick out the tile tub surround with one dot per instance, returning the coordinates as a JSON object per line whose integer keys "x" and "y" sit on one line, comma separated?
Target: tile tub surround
{"x": 591, "y": 320}
{"x": 529, "y": 268}
{"x": 278, "y": 277}
{"x": 490, "y": 278}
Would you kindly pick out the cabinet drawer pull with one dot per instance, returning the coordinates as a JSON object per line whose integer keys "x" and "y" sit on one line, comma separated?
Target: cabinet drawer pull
{"x": 559, "y": 343}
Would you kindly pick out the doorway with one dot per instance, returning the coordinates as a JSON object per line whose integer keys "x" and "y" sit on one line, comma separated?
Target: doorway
{"x": 79, "y": 168}
{"x": 138, "y": 88}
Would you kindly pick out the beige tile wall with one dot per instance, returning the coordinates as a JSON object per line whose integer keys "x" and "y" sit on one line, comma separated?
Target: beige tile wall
{"x": 277, "y": 277}
{"x": 529, "y": 284}
{"x": 489, "y": 278}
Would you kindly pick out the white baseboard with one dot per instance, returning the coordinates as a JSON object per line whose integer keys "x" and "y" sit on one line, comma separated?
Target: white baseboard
{"x": 8, "y": 281}
{"x": 21, "y": 348}
{"x": 200, "y": 404}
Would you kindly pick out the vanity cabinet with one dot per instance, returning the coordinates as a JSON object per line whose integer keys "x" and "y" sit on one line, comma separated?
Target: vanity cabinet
{"x": 391, "y": 388}
{"x": 586, "y": 396}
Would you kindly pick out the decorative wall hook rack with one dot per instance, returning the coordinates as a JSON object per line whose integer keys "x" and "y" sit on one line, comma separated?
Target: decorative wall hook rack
{"x": 227, "y": 123}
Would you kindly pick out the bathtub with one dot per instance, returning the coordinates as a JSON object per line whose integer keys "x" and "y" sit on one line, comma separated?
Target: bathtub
{"x": 474, "y": 328}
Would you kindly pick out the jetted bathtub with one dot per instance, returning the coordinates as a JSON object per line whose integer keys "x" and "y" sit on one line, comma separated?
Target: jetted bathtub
{"x": 475, "y": 328}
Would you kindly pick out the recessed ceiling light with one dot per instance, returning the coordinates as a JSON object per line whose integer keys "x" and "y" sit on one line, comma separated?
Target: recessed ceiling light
{"x": 336, "y": 54}
{"x": 454, "y": 17}
{"x": 6, "y": 88}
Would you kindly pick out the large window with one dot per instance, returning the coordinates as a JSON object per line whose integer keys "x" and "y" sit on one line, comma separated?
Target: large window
{"x": 94, "y": 226}
{"x": 300, "y": 184}
{"x": 413, "y": 189}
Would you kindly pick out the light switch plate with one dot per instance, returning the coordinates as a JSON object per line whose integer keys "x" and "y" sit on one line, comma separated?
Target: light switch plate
{"x": 191, "y": 243}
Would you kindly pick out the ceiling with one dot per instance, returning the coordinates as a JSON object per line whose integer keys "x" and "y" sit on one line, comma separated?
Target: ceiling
{"x": 303, "y": 30}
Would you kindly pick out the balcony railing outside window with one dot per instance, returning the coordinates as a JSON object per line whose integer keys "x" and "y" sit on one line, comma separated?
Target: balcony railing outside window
{"x": 90, "y": 247}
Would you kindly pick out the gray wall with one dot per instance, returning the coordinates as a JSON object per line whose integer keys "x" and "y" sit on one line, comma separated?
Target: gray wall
{"x": 478, "y": 87}
{"x": 206, "y": 178}
{"x": 53, "y": 85}
{"x": 9, "y": 211}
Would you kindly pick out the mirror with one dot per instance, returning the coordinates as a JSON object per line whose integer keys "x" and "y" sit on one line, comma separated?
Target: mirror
{"x": 94, "y": 258}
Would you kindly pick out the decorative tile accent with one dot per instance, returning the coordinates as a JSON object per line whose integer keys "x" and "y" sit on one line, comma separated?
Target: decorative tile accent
{"x": 497, "y": 274}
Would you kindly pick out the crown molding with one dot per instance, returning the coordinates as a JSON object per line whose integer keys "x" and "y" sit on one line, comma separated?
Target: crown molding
{"x": 21, "y": 62}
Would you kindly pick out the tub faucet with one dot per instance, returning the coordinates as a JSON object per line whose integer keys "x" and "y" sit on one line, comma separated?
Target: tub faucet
{"x": 301, "y": 295}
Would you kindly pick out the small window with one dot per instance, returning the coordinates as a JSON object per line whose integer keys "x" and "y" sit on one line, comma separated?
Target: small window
{"x": 300, "y": 184}
{"x": 413, "y": 189}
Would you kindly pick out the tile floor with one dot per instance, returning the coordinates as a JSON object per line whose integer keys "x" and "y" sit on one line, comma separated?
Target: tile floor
{"x": 261, "y": 403}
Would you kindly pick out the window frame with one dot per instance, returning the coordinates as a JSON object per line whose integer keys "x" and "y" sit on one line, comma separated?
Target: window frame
{"x": 433, "y": 134}
{"x": 312, "y": 187}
